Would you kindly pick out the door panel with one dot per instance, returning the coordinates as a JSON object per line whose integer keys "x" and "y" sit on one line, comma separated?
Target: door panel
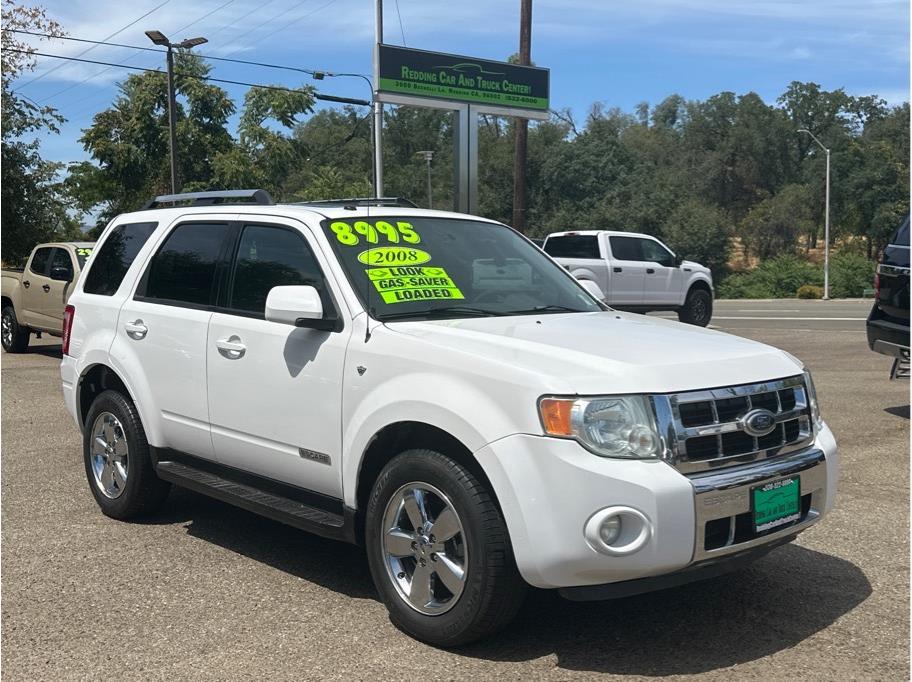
{"x": 275, "y": 391}
{"x": 58, "y": 292}
{"x": 34, "y": 280}
{"x": 628, "y": 272}
{"x": 663, "y": 279}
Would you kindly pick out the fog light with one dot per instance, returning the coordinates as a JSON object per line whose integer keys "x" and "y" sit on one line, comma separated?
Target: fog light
{"x": 617, "y": 531}
{"x": 610, "y": 529}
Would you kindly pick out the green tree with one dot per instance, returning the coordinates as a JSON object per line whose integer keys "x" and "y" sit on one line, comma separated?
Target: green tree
{"x": 771, "y": 228}
{"x": 34, "y": 206}
{"x": 699, "y": 232}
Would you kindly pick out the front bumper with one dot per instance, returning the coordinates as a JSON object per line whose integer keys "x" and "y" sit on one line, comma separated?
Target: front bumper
{"x": 549, "y": 488}
{"x": 69, "y": 376}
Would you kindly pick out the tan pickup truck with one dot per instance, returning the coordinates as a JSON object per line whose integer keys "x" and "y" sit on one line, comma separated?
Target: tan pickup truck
{"x": 34, "y": 297}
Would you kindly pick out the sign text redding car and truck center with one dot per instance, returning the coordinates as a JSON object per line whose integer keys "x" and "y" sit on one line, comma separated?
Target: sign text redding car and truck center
{"x": 465, "y": 79}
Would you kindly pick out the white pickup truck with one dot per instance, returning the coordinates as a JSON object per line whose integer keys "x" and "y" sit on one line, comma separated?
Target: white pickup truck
{"x": 637, "y": 272}
{"x": 433, "y": 386}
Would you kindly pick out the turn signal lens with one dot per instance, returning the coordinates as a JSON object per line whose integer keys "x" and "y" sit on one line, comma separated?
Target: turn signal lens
{"x": 555, "y": 415}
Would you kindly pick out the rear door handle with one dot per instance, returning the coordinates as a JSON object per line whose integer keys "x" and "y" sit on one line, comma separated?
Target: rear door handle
{"x": 618, "y": 269}
{"x": 26, "y": 284}
{"x": 136, "y": 330}
{"x": 231, "y": 348}
{"x": 46, "y": 287}
{"x": 650, "y": 271}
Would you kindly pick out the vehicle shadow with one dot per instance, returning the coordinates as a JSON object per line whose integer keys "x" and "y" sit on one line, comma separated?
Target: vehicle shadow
{"x": 898, "y": 411}
{"x": 52, "y": 351}
{"x": 783, "y": 599}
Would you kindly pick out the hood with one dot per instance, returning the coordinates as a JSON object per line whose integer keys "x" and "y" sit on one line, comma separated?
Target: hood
{"x": 604, "y": 352}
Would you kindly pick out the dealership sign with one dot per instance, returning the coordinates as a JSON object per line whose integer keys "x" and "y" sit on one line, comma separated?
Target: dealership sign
{"x": 418, "y": 73}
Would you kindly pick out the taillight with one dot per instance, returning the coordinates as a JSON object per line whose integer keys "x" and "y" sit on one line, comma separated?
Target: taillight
{"x": 877, "y": 284}
{"x": 68, "y": 314}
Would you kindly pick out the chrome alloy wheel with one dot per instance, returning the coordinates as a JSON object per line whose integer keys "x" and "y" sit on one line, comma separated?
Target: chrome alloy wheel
{"x": 424, "y": 548}
{"x": 109, "y": 455}
{"x": 7, "y": 331}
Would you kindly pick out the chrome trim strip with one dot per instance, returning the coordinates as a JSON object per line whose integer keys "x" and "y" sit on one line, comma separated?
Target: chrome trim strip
{"x": 756, "y": 473}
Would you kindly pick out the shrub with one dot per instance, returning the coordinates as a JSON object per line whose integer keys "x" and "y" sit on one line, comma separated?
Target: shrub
{"x": 774, "y": 278}
{"x": 810, "y": 291}
{"x": 850, "y": 275}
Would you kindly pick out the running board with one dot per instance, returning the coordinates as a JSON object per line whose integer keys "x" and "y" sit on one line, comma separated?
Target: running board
{"x": 276, "y": 507}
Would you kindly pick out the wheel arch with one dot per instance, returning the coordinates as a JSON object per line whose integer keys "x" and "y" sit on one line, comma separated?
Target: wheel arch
{"x": 397, "y": 437}
{"x": 6, "y": 301}
{"x": 93, "y": 382}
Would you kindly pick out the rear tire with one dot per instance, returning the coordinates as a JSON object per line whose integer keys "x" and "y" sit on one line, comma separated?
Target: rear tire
{"x": 697, "y": 308}
{"x": 449, "y": 590}
{"x": 117, "y": 459}
{"x": 15, "y": 338}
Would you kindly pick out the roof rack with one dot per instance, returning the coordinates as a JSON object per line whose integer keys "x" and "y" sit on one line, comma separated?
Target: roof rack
{"x": 230, "y": 196}
{"x": 364, "y": 201}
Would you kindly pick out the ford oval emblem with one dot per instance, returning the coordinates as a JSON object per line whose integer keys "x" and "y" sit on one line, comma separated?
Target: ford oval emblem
{"x": 758, "y": 422}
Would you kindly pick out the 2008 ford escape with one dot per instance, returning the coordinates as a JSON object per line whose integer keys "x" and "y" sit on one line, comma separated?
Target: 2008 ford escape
{"x": 433, "y": 386}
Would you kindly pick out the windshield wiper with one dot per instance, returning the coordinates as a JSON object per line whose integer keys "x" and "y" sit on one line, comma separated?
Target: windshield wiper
{"x": 449, "y": 311}
{"x": 545, "y": 309}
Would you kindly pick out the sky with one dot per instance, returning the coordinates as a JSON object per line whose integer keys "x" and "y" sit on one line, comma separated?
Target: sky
{"x": 618, "y": 53}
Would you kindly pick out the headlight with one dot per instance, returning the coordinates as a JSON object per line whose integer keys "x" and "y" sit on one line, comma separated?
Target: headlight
{"x": 611, "y": 426}
{"x": 812, "y": 400}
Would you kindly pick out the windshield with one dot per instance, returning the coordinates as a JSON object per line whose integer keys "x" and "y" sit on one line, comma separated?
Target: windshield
{"x": 418, "y": 267}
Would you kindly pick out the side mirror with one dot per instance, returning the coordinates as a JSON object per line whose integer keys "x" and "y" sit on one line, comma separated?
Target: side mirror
{"x": 62, "y": 274}
{"x": 299, "y": 306}
{"x": 678, "y": 260}
{"x": 594, "y": 289}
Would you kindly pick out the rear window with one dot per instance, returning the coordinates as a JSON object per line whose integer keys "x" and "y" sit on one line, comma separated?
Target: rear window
{"x": 573, "y": 246}
{"x": 184, "y": 269}
{"x": 110, "y": 264}
{"x": 901, "y": 238}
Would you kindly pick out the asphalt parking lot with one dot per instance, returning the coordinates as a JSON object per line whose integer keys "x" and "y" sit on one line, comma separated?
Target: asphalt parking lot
{"x": 207, "y": 591}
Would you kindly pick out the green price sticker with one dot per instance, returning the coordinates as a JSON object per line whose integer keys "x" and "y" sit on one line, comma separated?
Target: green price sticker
{"x": 405, "y": 284}
{"x": 394, "y": 255}
{"x": 351, "y": 234}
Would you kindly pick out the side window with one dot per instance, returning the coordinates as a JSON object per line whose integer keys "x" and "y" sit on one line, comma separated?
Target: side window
{"x": 655, "y": 252}
{"x": 40, "y": 260}
{"x": 270, "y": 256}
{"x": 901, "y": 238}
{"x": 573, "y": 246}
{"x": 626, "y": 248}
{"x": 109, "y": 265}
{"x": 62, "y": 260}
{"x": 184, "y": 268}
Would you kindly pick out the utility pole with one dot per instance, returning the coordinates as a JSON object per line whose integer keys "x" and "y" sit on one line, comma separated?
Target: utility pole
{"x": 428, "y": 156}
{"x": 826, "y": 230}
{"x": 522, "y": 124}
{"x": 159, "y": 38}
{"x": 378, "y": 106}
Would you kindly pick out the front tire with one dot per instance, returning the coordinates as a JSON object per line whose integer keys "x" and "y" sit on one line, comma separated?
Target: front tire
{"x": 117, "y": 460}
{"x": 698, "y": 308}
{"x": 439, "y": 551}
{"x": 15, "y": 338}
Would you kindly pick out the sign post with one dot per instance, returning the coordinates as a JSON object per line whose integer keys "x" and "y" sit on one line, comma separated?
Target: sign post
{"x": 465, "y": 85}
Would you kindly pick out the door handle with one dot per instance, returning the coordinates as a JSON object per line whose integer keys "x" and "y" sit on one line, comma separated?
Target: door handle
{"x": 46, "y": 287}
{"x": 26, "y": 284}
{"x": 231, "y": 348}
{"x": 650, "y": 271}
{"x": 618, "y": 269}
{"x": 136, "y": 330}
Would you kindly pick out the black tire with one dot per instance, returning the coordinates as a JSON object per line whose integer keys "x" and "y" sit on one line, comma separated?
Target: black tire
{"x": 17, "y": 340}
{"x": 493, "y": 590}
{"x": 698, "y": 308}
{"x": 142, "y": 492}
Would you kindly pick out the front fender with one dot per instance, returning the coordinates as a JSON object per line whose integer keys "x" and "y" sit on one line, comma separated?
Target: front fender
{"x": 456, "y": 407}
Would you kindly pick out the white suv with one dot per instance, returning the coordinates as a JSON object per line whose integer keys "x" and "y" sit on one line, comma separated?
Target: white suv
{"x": 435, "y": 387}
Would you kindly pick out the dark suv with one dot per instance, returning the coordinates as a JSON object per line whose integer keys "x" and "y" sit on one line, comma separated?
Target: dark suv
{"x": 888, "y": 323}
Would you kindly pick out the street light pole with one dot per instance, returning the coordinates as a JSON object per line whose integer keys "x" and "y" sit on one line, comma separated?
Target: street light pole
{"x": 428, "y": 156}
{"x": 826, "y": 229}
{"x": 159, "y": 38}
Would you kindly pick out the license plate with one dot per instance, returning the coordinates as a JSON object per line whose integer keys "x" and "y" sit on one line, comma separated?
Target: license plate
{"x": 776, "y": 503}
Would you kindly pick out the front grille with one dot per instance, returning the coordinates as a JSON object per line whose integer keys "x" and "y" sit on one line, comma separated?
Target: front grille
{"x": 707, "y": 429}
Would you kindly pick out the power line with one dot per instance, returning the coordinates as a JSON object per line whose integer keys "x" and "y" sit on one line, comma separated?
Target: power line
{"x": 288, "y": 25}
{"x": 269, "y": 21}
{"x": 89, "y": 49}
{"x": 317, "y": 95}
{"x": 399, "y": 14}
{"x": 128, "y": 57}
